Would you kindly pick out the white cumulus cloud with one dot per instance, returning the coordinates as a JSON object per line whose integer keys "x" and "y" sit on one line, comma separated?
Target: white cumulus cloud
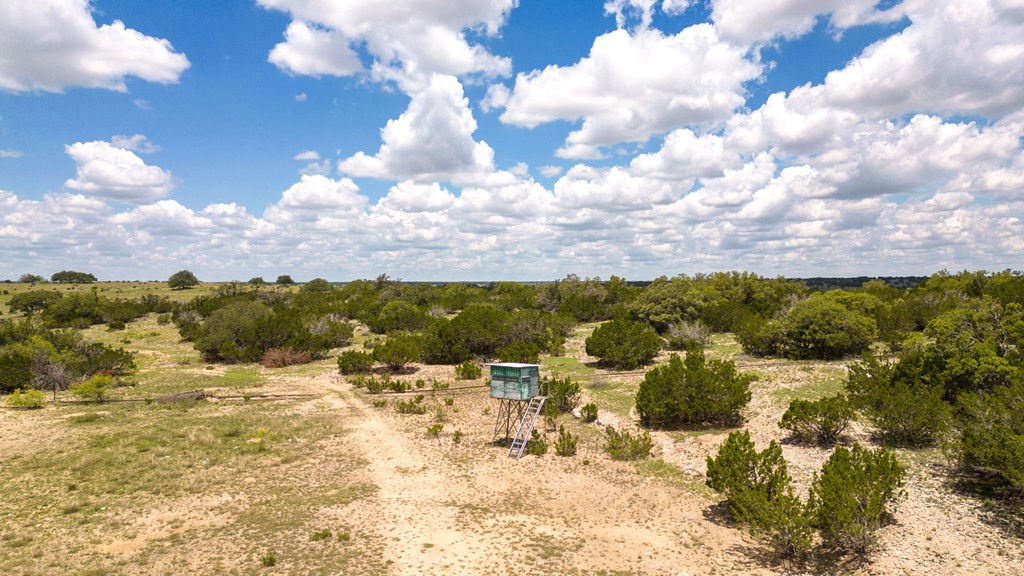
{"x": 634, "y": 85}
{"x": 108, "y": 171}
{"x": 432, "y": 139}
{"x": 408, "y": 40}
{"x": 53, "y": 44}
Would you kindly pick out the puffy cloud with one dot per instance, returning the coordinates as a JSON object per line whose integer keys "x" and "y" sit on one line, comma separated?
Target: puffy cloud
{"x": 686, "y": 156}
{"x": 633, "y": 85}
{"x": 881, "y": 158}
{"x": 431, "y": 140}
{"x": 965, "y": 57}
{"x": 748, "y": 21}
{"x": 316, "y": 198}
{"x": 412, "y": 197}
{"x": 550, "y": 171}
{"x": 108, "y": 171}
{"x": 52, "y": 44}
{"x": 11, "y": 154}
{"x": 408, "y": 40}
{"x": 313, "y": 51}
{"x": 611, "y": 190}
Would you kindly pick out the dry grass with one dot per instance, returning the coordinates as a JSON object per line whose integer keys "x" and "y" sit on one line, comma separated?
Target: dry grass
{"x": 216, "y": 487}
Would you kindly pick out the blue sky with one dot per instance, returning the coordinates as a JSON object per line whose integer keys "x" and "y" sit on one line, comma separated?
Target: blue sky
{"x": 505, "y": 139}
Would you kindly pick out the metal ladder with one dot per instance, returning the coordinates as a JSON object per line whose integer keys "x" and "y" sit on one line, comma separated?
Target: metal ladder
{"x": 526, "y": 424}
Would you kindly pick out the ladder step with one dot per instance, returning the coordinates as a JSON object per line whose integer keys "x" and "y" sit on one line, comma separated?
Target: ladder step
{"x": 526, "y": 425}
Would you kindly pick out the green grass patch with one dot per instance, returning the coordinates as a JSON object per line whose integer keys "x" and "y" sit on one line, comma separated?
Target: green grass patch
{"x": 619, "y": 399}
{"x": 724, "y": 346}
{"x": 571, "y": 367}
{"x": 819, "y": 381}
{"x": 240, "y": 377}
{"x": 658, "y": 468}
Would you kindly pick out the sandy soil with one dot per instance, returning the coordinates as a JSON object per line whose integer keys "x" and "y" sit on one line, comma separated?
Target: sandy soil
{"x": 441, "y": 507}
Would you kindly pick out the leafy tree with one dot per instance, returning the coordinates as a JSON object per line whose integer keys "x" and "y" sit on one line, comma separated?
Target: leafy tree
{"x": 525, "y": 352}
{"x": 399, "y": 315}
{"x": 991, "y": 438}
{"x": 441, "y": 344}
{"x": 624, "y": 344}
{"x": 257, "y": 281}
{"x": 234, "y": 333}
{"x": 819, "y": 327}
{"x": 32, "y": 301}
{"x": 819, "y": 422}
{"x": 182, "y": 279}
{"x": 899, "y": 399}
{"x": 71, "y": 277}
{"x": 31, "y": 279}
{"x": 691, "y": 392}
{"x": 284, "y": 280}
{"x": 74, "y": 310}
{"x": 317, "y": 285}
{"x": 481, "y": 329}
{"x": 853, "y": 496}
{"x": 397, "y": 351}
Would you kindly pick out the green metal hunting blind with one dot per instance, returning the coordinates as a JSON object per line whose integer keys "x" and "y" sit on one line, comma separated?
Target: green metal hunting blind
{"x": 517, "y": 386}
{"x": 514, "y": 381}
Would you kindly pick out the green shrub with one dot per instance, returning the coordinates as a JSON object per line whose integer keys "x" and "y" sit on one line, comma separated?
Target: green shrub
{"x": 624, "y": 446}
{"x": 693, "y": 391}
{"x": 760, "y": 337}
{"x": 851, "y": 498}
{"x": 624, "y": 344}
{"x": 905, "y": 406}
{"x": 27, "y": 400}
{"x": 759, "y": 494}
{"x": 397, "y": 351}
{"x": 819, "y": 422}
{"x": 269, "y": 559}
{"x": 457, "y": 437}
{"x": 163, "y": 319}
{"x": 354, "y": 362}
{"x": 400, "y": 386}
{"x": 739, "y": 468}
{"x": 588, "y": 413}
{"x": 525, "y": 352}
{"x": 320, "y": 535}
{"x": 434, "y": 430}
{"x": 468, "y": 371}
{"x": 410, "y": 407}
{"x": 95, "y": 388}
{"x": 563, "y": 394}
{"x": 991, "y": 439}
{"x": 819, "y": 327}
{"x": 399, "y": 315}
{"x": 566, "y": 443}
{"x": 538, "y": 445}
